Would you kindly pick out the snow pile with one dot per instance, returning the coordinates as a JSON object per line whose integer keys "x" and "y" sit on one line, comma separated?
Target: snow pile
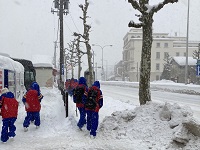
{"x": 154, "y": 125}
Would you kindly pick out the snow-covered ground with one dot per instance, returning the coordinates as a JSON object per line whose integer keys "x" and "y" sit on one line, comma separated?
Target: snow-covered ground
{"x": 122, "y": 125}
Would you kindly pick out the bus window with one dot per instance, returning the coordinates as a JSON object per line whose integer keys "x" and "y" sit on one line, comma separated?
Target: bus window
{"x": 28, "y": 79}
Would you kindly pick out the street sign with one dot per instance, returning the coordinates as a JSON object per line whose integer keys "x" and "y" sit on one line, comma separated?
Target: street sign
{"x": 198, "y": 70}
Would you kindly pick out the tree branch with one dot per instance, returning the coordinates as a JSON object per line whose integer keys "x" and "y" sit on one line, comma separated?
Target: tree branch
{"x": 136, "y": 25}
{"x": 135, "y": 5}
{"x": 156, "y": 8}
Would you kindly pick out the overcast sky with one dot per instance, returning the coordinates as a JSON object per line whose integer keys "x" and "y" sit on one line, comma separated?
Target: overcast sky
{"x": 27, "y": 27}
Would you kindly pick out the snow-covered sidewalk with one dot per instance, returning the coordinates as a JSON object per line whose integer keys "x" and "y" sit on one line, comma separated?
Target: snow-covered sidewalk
{"x": 126, "y": 128}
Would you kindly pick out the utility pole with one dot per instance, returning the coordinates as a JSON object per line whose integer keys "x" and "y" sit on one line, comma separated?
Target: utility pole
{"x": 61, "y": 7}
{"x": 55, "y": 46}
{"x": 186, "y": 62}
{"x": 61, "y": 46}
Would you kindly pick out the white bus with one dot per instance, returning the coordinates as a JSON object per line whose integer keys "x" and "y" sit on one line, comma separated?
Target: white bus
{"x": 12, "y": 76}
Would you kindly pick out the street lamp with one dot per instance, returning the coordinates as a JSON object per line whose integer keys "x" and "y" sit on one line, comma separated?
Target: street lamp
{"x": 102, "y": 47}
{"x": 186, "y": 62}
{"x": 106, "y": 77}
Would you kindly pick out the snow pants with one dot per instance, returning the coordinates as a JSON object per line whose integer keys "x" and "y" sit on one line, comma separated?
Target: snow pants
{"x": 31, "y": 116}
{"x": 82, "y": 119}
{"x": 8, "y": 129}
{"x": 92, "y": 121}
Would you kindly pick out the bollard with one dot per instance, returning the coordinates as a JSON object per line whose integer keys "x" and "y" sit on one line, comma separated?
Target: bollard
{"x": 66, "y": 103}
{"x": 65, "y": 100}
{"x": 63, "y": 95}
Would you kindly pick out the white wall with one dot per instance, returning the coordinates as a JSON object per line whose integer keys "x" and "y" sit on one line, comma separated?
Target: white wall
{"x": 44, "y": 76}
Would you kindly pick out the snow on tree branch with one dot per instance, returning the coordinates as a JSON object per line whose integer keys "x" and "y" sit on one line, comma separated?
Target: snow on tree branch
{"x": 136, "y": 25}
{"x": 156, "y": 8}
{"x": 135, "y": 5}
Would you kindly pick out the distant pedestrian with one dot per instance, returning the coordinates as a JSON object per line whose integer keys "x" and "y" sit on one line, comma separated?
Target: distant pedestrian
{"x": 32, "y": 100}
{"x": 79, "y": 97}
{"x": 9, "y": 112}
{"x": 93, "y": 103}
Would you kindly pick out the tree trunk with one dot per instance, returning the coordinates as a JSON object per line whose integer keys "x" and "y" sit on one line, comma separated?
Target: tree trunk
{"x": 72, "y": 70}
{"x": 88, "y": 47}
{"x": 79, "y": 67}
{"x": 89, "y": 65}
{"x": 145, "y": 69}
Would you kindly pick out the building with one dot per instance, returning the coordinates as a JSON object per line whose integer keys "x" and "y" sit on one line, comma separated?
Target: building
{"x": 162, "y": 45}
{"x": 177, "y": 70}
{"x": 118, "y": 69}
{"x": 44, "y": 70}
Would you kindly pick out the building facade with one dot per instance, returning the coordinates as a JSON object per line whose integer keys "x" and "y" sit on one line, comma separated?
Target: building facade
{"x": 162, "y": 46}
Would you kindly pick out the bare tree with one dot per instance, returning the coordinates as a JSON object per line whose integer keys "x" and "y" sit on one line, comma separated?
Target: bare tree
{"x": 196, "y": 53}
{"x": 85, "y": 36}
{"x": 146, "y": 22}
{"x": 79, "y": 53}
{"x": 167, "y": 68}
{"x": 70, "y": 57}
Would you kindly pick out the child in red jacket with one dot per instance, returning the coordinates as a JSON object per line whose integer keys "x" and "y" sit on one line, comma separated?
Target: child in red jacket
{"x": 32, "y": 100}
{"x": 93, "y": 103}
{"x": 9, "y": 111}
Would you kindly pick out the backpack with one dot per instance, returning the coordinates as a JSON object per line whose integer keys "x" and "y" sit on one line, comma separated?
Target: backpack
{"x": 91, "y": 102}
{"x": 78, "y": 93}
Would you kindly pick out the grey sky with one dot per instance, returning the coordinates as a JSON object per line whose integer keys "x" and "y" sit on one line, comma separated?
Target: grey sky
{"x": 27, "y": 27}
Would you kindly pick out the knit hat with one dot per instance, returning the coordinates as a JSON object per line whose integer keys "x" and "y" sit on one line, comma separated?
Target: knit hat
{"x": 4, "y": 90}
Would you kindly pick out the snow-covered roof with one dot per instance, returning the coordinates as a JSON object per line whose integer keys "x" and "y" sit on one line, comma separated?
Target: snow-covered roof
{"x": 6, "y": 63}
{"x": 182, "y": 61}
{"x": 42, "y": 61}
{"x": 10, "y": 64}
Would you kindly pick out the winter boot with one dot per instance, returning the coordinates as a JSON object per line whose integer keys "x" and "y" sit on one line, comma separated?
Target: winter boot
{"x": 25, "y": 129}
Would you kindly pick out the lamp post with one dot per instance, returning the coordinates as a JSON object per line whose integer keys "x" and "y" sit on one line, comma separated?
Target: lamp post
{"x": 102, "y": 47}
{"x": 93, "y": 58}
{"x": 186, "y": 62}
{"x": 106, "y": 77}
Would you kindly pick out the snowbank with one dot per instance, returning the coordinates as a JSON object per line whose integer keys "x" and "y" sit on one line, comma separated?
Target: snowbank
{"x": 145, "y": 125}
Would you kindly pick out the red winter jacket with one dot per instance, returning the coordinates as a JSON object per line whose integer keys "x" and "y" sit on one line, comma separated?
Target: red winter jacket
{"x": 32, "y": 103}
{"x": 9, "y": 108}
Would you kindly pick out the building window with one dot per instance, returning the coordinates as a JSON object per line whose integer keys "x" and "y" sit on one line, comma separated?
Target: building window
{"x": 157, "y": 55}
{"x": 184, "y": 54}
{"x": 166, "y": 55}
{"x": 157, "y": 44}
{"x": 166, "y": 45}
{"x": 177, "y": 53}
{"x": 157, "y": 77}
{"x": 157, "y": 66}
